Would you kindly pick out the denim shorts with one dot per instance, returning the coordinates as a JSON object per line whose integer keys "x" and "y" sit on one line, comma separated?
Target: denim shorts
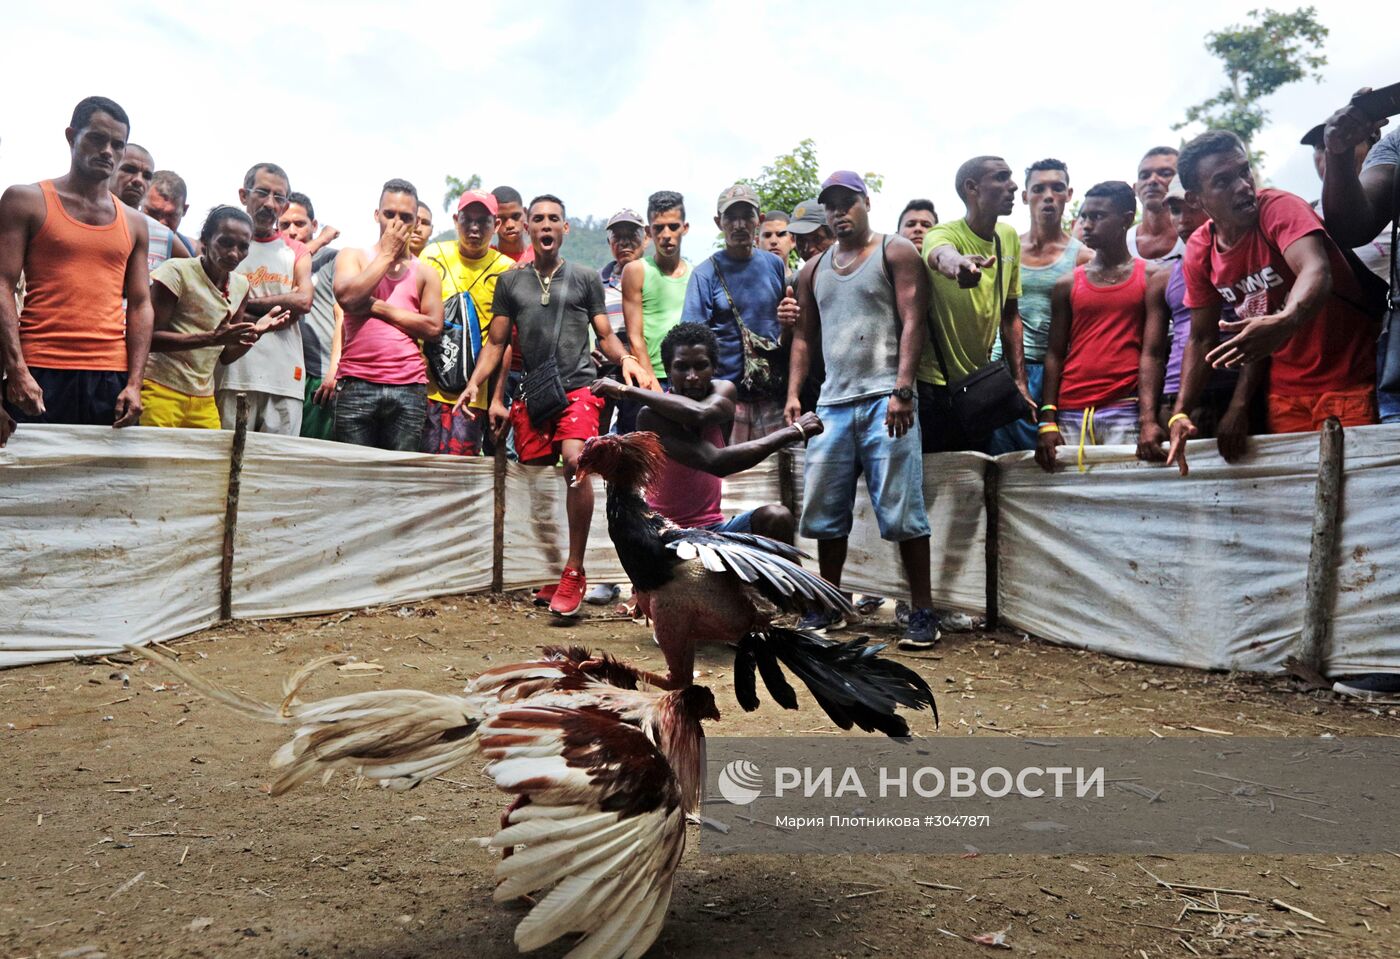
{"x": 854, "y": 441}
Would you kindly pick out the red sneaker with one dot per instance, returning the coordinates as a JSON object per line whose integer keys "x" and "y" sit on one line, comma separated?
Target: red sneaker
{"x": 544, "y": 594}
{"x": 568, "y": 595}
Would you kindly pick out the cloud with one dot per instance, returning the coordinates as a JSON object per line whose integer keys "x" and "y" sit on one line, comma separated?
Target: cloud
{"x": 604, "y": 104}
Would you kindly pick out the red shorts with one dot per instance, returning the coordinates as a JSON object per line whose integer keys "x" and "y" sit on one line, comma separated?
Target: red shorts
{"x": 579, "y": 421}
{"x": 1306, "y": 414}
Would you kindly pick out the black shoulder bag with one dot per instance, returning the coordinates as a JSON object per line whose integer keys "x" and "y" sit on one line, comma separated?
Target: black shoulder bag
{"x": 542, "y": 389}
{"x": 764, "y": 372}
{"x": 988, "y": 398}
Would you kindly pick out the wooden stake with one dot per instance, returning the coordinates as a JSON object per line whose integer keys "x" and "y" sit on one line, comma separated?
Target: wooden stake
{"x": 235, "y": 480}
{"x": 991, "y": 490}
{"x": 498, "y": 525}
{"x": 1314, "y": 644}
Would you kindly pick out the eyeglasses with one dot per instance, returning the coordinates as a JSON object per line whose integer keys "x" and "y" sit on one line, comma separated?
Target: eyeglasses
{"x": 262, "y": 193}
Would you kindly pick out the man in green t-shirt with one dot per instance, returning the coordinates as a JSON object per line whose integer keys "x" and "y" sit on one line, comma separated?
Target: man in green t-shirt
{"x": 974, "y": 263}
{"x": 653, "y": 287}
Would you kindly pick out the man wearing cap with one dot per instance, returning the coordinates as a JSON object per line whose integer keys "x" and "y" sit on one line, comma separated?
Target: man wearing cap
{"x": 969, "y": 281}
{"x": 466, "y": 265}
{"x": 866, "y": 298}
{"x": 741, "y": 293}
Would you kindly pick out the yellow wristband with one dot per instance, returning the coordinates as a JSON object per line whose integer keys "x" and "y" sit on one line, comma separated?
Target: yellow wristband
{"x": 1048, "y": 428}
{"x": 1175, "y": 417}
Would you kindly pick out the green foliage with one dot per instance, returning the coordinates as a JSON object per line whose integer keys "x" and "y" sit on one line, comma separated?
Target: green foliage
{"x": 1260, "y": 57}
{"x": 455, "y": 189}
{"x": 794, "y": 177}
{"x": 587, "y": 242}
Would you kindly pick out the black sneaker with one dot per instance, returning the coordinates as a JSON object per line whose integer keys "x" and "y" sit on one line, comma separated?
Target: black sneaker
{"x": 821, "y": 622}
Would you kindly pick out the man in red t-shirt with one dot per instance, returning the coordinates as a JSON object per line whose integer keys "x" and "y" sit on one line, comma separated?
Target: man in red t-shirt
{"x": 1300, "y": 326}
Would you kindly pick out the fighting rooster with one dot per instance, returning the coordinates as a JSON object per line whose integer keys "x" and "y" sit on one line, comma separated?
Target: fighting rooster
{"x": 603, "y": 771}
{"x": 702, "y": 586}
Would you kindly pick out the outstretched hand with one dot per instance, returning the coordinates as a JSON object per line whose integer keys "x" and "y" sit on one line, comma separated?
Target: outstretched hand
{"x": 1181, "y": 431}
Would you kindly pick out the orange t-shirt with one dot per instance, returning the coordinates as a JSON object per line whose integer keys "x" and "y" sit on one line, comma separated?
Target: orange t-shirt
{"x": 75, "y": 277}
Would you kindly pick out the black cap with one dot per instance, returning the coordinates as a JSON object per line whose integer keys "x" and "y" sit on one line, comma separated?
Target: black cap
{"x": 1313, "y": 138}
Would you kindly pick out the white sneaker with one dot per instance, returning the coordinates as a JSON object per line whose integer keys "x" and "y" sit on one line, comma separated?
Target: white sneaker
{"x": 602, "y": 594}
{"x": 956, "y": 621}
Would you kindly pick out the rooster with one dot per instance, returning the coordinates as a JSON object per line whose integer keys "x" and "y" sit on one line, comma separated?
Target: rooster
{"x": 701, "y": 586}
{"x": 603, "y": 772}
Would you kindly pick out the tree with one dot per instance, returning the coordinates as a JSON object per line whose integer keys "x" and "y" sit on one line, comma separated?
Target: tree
{"x": 794, "y": 177}
{"x": 1260, "y": 57}
{"x": 455, "y": 189}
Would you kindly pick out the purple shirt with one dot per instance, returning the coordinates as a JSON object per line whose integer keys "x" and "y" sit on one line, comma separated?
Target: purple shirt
{"x": 1181, "y": 329}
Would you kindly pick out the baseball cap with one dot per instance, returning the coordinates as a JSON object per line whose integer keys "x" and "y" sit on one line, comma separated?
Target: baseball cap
{"x": 625, "y": 215}
{"x": 1176, "y": 191}
{"x": 846, "y": 178}
{"x": 738, "y": 193}
{"x": 478, "y": 196}
{"x": 1313, "y": 138}
{"x": 807, "y": 216}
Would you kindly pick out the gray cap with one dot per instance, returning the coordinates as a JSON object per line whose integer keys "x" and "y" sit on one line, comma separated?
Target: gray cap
{"x": 807, "y": 216}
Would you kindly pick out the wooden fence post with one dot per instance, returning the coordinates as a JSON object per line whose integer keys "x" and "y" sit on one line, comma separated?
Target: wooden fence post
{"x": 1321, "y": 594}
{"x": 498, "y": 524}
{"x": 991, "y": 489}
{"x": 235, "y": 482}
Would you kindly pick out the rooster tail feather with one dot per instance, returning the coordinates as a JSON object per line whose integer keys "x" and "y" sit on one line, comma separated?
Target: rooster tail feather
{"x": 243, "y": 705}
{"x": 850, "y": 681}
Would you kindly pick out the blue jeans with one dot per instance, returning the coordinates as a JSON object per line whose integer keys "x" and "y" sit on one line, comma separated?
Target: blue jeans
{"x": 1020, "y": 435}
{"x": 381, "y": 415}
{"x": 855, "y": 441}
{"x": 1389, "y": 403}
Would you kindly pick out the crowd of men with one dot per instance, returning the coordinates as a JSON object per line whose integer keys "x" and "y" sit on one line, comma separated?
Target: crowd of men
{"x": 1224, "y": 311}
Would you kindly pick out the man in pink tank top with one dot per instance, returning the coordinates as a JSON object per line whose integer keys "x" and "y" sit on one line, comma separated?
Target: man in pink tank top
{"x": 1102, "y": 365}
{"x": 391, "y": 301}
{"x": 75, "y": 354}
{"x": 693, "y": 419}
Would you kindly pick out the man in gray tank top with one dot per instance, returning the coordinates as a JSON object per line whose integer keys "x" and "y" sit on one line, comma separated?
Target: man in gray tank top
{"x": 864, "y": 301}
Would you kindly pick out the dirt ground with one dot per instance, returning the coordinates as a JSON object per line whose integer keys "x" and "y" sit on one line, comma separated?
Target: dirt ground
{"x": 136, "y": 822}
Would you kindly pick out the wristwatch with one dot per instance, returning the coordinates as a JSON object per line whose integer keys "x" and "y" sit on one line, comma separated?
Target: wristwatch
{"x": 905, "y": 393}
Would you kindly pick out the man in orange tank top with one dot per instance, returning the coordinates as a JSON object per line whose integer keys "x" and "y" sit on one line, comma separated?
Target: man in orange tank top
{"x": 75, "y": 355}
{"x": 1103, "y": 367}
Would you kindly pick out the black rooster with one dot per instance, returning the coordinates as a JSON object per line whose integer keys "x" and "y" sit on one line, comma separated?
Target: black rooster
{"x": 701, "y": 586}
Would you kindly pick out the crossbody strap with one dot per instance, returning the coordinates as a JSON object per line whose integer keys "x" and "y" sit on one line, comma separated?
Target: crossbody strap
{"x": 733, "y": 305}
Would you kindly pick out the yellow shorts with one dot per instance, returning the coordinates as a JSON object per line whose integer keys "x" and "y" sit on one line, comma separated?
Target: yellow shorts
{"x": 162, "y": 406}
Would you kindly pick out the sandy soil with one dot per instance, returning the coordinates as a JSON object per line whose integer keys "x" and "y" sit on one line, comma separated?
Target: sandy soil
{"x": 135, "y": 819}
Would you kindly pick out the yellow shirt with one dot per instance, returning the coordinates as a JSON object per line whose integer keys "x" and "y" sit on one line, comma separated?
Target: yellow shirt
{"x": 966, "y": 321}
{"x": 200, "y": 306}
{"x": 476, "y": 278}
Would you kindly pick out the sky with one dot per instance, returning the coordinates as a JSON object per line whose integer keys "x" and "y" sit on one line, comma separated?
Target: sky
{"x": 605, "y": 103}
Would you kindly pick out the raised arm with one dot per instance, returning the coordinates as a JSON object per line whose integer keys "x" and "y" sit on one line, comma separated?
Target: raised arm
{"x": 685, "y": 448}
{"x": 1356, "y": 207}
{"x": 718, "y": 407}
{"x": 1258, "y": 337}
{"x": 420, "y": 326}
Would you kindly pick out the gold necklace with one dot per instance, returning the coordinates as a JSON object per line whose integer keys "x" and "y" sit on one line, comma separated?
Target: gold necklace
{"x": 845, "y": 266}
{"x": 545, "y": 283}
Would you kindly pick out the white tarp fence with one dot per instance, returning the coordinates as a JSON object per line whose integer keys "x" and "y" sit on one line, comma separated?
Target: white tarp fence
{"x": 114, "y": 536}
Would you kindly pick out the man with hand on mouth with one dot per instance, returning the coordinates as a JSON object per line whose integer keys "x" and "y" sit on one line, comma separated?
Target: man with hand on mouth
{"x": 551, "y": 306}
{"x": 741, "y": 294}
{"x": 1267, "y": 254}
{"x": 278, "y": 268}
{"x": 75, "y": 355}
{"x": 1155, "y": 239}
